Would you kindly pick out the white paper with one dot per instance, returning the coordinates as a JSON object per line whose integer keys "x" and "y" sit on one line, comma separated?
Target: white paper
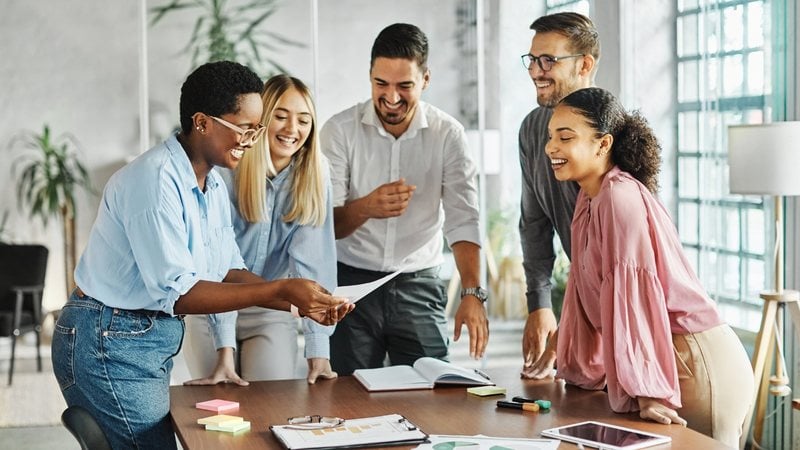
{"x": 480, "y": 442}
{"x": 356, "y": 292}
{"x": 367, "y": 431}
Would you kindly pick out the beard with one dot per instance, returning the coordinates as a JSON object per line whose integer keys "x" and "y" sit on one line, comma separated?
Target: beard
{"x": 558, "y": 90}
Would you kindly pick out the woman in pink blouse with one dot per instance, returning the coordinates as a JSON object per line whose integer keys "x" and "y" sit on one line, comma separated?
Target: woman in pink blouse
{"x": 635, "y": 318}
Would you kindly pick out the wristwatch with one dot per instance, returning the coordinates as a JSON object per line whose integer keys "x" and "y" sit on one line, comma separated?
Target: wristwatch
{"x": 479, "y": 293}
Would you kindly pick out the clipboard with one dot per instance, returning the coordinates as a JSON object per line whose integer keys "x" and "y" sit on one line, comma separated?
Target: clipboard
{"x": 379, "y": 431}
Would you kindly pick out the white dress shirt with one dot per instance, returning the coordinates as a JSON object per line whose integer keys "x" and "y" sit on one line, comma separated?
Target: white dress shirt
{"x": 433, "y": 155}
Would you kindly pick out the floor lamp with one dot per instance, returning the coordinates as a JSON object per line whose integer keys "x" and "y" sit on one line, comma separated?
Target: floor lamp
{"x": 763, "y": 160}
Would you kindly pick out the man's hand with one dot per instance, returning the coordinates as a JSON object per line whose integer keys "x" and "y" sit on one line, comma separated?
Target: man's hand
{"x": 653, "y": 409}
{"x": 388, "y": 200}
{"x": 472, "y": 314}
{"x": 224, "y": 372}
{"x": 543, "y": 366}
{"x": 539, "y": 327}
{"x": 320, "y": 368}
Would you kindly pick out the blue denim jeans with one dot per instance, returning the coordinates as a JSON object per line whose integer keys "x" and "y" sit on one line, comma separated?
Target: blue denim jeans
{"x": 116, "y": 363}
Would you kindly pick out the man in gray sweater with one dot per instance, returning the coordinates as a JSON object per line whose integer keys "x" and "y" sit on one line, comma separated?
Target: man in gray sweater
{"x": 564, "y": 53}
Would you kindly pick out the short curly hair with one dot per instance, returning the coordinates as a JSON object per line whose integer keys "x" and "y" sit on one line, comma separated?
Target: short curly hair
{"x": 215, "y": 89}
{"x": 636, "y": 149}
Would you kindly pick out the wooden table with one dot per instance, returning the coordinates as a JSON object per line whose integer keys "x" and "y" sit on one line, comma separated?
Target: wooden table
{"x": 444, "y": 410}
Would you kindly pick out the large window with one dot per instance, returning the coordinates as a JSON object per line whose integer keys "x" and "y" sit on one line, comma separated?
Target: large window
{"x": 579, "y": 6}
{"x": 722, "y": 66}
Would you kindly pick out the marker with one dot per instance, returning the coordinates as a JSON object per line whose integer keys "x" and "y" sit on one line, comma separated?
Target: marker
{"x": 544, "y": 404}
{"x": 523, "y": 406}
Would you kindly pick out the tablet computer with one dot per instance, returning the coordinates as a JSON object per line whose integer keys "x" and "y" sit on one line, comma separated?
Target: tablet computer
{"x": 606, "y": 436}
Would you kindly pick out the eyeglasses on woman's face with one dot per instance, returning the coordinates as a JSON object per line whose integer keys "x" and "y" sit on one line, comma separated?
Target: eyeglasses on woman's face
{"x": 247, "y": 137}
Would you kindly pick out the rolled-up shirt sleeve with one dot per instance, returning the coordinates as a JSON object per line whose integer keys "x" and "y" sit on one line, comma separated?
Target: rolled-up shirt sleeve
{"x": 459, "y": 190}
{"x": 165, "y": 264}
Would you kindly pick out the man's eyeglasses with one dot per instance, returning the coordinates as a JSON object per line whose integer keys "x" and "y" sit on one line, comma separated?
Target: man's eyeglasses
{"x": 314, "y": 422}
{"x": 546, "y": 62}
{"x": 246, "y": 137}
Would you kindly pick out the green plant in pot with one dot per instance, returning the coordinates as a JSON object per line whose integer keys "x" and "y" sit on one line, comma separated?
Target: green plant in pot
{"x": 49, "y": 176}
{"x": 223, "y": 31}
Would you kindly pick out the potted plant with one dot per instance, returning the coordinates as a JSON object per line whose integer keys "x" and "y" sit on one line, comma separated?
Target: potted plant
{"x": 234, "y": 33}
{"x": 50, "y": 174}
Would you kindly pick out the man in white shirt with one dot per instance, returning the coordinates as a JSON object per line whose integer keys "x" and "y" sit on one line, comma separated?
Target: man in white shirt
{"x": 402, "y": 178}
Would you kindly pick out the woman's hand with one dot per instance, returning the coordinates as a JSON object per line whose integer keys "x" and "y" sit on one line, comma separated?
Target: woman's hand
{"x": 653, "y": 409}
{"x": 314, "y": 301}
{"x": 224, "y": 372}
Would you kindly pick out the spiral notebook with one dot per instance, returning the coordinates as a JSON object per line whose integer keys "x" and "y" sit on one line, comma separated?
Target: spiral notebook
{"x": 379, "y": 431}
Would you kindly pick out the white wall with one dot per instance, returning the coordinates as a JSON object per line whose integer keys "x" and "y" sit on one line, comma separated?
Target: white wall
{"x": 75, "y": 66}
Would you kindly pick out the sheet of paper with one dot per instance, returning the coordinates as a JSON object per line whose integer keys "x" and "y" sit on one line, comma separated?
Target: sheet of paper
{"x": 356, "y": 292}
{"x": 480, "y": 442}
{"x": 368, "y": 431}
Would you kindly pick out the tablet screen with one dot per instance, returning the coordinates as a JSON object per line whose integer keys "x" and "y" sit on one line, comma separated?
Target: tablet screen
{"x": 606, "y": 435}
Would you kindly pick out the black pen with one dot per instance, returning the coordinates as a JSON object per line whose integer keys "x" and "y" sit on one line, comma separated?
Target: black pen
{"x": 523, "y": 406}
{"x": 483, "y": 374}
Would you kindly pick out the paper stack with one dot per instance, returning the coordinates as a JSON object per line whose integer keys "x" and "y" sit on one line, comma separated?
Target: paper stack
{"x": 222, "y": 422}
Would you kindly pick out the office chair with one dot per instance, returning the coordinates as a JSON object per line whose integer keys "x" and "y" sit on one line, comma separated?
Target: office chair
{"x": 22, "y": 272}
{"x": 82, "y": 425}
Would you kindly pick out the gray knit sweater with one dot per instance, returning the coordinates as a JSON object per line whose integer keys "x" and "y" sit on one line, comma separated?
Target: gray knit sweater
{"x": 546, "y": 204}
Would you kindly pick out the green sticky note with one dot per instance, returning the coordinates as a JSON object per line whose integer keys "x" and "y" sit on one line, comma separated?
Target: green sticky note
{"x": 483, "y": 391}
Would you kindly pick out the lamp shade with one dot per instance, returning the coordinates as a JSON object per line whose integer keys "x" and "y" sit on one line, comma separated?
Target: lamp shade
{"x": 764, "y": 159}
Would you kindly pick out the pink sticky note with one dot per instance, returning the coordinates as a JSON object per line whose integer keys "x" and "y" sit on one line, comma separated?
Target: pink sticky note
{"x": 217, "y": 405}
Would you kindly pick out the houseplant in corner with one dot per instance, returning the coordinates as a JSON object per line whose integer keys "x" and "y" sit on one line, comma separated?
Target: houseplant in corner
{"x": 50, "y": 175}
{"x": 234, "y": 33}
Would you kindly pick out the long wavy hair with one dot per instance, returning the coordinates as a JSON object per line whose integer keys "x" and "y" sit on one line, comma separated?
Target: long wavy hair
{"x": 308, "y": 187}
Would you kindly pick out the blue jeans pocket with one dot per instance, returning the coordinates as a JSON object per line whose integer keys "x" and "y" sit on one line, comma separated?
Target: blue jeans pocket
{"x": 128, "y": 324}
{"x": 63, "y": 353}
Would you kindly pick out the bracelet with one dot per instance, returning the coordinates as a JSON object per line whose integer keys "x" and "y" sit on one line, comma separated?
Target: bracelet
{"x": 295, "y": 311}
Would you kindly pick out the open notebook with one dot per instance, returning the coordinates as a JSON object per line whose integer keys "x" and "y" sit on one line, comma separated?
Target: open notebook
{"x": 425, "y": 373}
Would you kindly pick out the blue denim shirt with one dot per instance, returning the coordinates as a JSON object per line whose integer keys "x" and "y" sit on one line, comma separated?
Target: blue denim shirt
{"x": 275, "y": 249}
{"x": 157, "y": 234}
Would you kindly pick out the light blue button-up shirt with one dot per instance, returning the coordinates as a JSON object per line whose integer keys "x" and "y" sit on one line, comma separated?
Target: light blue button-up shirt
{"x": 275, "y": 249}
{"x": 157, "y": 234}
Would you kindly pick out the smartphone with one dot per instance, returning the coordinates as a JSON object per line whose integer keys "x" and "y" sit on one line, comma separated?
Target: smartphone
{"x": 606, "y": 436}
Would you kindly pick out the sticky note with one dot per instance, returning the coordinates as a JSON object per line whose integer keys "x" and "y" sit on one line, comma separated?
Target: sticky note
{"x": 483, "y": 391}
{"x": 235, "y": 428}
{"x": 217, "y": 405}
{"x": 220, "y": 420}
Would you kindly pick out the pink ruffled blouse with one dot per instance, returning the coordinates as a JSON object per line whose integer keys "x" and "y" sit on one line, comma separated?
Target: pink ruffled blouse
{"x": 630, "y": 289}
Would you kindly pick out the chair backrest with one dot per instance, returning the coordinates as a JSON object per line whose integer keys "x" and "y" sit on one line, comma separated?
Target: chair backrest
{"x": 21, "y": 265}
{"x": 82, "y": 425}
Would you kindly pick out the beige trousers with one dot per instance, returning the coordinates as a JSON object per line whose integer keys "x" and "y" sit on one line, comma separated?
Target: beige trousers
{"x": 267, "y": 342}
{"x": 716, "y": 381}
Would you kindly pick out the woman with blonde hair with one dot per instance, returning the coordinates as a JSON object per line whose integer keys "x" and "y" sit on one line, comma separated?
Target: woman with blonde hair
{"x": 283, "y": 220}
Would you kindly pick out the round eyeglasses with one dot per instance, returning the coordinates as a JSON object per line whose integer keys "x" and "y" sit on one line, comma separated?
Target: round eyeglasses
{"x": 247, "y": 137}
{"x": 545, "y": 62}
{"x": 314, "y": 422}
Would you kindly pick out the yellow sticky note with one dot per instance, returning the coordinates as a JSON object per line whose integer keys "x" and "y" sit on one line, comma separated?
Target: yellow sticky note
{"x": 220, "y": 420}
{"x": 486, "y": 390}
{"x": 234, "y": 428}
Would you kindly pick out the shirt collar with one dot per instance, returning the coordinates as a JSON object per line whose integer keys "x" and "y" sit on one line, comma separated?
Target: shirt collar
{"x": 418, "y": 122}
{"x": 185, "y": 169}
